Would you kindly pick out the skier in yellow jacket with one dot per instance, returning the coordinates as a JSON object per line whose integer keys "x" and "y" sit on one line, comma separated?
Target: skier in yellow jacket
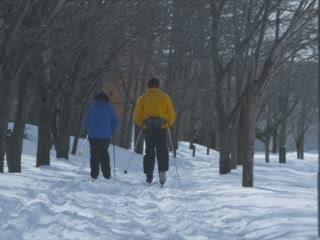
{"x": 155, "y": 113}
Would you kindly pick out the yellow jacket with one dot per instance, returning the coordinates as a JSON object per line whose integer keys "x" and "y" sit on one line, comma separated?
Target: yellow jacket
{"x": 154, "y": 103}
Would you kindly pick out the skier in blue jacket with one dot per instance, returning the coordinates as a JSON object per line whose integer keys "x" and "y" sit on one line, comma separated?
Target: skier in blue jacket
{"x": 101, "y": 122}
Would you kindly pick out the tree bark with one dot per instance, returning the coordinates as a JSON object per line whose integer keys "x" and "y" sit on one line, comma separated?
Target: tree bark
{"x": 274, "y": 140}
{"x": 282, "y": 142}
{"x": 300, "y": 146}
{"x": 129, "y": 129}
{"x": 80, "y": 118}
{"x": 284, "y": 101}
{"x": 44, "y": 136}
{"x": 224, "y": 149}
{"x": 267, "y": 149}
{"x": 44, "y": 128}
{"x": 14, "y": 21}
{"x": 234, "y": 147}
{"x": 249, "y": 115}
{"x": 241, "y": 133}
{"x": 125, "y": 126}
{"x": 15, "y": 146}
{"x": 5, "y": 107}
{"x": 127, "y": 109}
{"x": 62, "y": 123}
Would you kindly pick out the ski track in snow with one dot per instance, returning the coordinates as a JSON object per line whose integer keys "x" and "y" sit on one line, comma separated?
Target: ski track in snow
{"x": 60, "y": 202}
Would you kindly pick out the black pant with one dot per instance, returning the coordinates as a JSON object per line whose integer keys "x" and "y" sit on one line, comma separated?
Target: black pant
{"x": 156, "y": 145}
{"x": 99, "y": 157}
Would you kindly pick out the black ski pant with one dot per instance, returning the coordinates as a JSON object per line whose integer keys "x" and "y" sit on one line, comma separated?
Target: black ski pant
{"x": 156, "y": 145}
{"x": 99, "y": 157}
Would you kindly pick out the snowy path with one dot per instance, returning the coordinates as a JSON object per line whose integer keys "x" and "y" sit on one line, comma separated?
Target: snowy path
{"x": 59, "y": 202}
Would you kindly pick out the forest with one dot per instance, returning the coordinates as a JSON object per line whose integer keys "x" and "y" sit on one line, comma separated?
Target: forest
{"x": 236, "y": 70}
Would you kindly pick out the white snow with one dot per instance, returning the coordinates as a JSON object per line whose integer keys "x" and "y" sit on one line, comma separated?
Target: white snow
{"x": 60, "y": 202}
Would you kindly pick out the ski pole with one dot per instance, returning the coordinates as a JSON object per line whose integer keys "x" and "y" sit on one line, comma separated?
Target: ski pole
{"x": 174, "y": 158}
{"x": 114, "y": 160}
{"x": 134, "y": 149}
{"x": 83, "y": 145}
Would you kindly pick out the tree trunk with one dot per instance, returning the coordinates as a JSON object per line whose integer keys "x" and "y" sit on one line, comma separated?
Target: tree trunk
{"x": 83, "y": 107}
{"x": 282, "y": 155}
{"x": 282, "y": 147}
{"x": 44, "y": 136}
{"x": 6, "y": 92}
{"x": 210, "y": 140}
{"x": 234, "y": 148}
{"x": 13, "y": 19}
{"x": 224, "y": 149}
{"x": 300, "y": 146}
{"x": 127, "y": 110}
{"x": 14, "y": 150}
{"x": 77, "y": 129}
{"x": 274, "y": 140}
{"x": 190, "y": 132}
{"x": 32, "y": 115}
{"x": 283, "y": 127}
{"x": 136, "y": 130}
{"x": 267, "y": 148}
{"x": 64, "y": 130}
{"x": 124, "y": 126}
{"x": 10, "y": 84}
{"x": 129, "y": 129}
{"x": 5, "y": 106}
{"x": 175, "y": 133}
{"x": 44, "y": 128}
{"x": 249, "y": 115}
{"x": 213, "y": 141}
{"x": 241, "y": 133}
{"x": 62, "y": 141}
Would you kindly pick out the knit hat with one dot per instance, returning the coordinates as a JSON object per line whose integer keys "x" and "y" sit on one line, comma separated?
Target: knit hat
{"x": 102, "y": 96}
{"x": 153, "y": 83}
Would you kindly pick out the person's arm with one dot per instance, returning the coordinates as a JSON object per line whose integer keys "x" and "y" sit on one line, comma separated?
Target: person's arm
{"x": 86, "y": 122}
{"x": 170, "y": 111}
{"x": 114, "y": 120}
{"x": 137, "y": 118}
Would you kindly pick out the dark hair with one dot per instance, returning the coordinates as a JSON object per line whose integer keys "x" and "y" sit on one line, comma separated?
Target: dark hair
{"x": 102, "y": 96}
{"x": 153, "y": 83}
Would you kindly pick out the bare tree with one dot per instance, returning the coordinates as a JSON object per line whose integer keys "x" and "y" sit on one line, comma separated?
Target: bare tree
{"x": 304, "y": 115}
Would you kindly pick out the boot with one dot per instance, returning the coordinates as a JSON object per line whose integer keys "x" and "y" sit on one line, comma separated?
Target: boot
{"x": 149, "y": 179}
{"x": 162, "y": 177}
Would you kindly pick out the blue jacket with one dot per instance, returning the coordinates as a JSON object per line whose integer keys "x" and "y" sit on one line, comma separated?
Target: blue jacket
{"x": 101, "y": 120}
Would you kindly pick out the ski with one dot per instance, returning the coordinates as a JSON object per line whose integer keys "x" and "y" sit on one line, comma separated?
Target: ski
{"x": 150, "y": 184}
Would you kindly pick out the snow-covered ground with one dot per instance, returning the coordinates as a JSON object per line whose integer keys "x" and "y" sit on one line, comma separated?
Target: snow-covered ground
{"x": 59, "y": 201}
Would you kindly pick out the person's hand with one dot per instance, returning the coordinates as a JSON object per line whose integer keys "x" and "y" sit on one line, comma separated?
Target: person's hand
{"x": 139, "y": 127}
